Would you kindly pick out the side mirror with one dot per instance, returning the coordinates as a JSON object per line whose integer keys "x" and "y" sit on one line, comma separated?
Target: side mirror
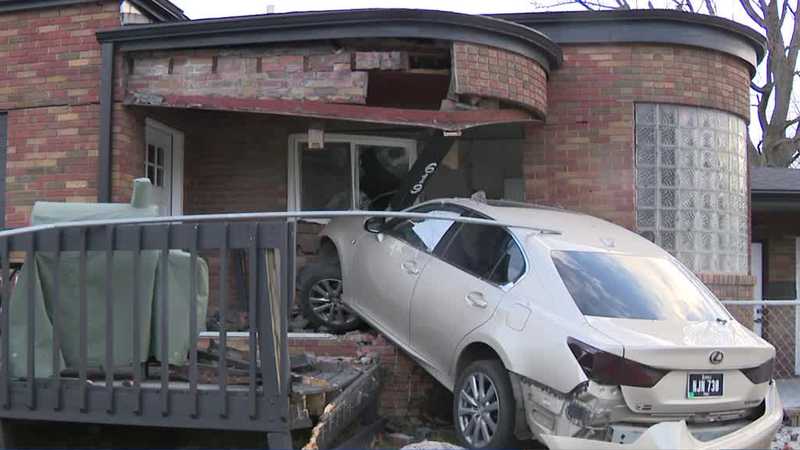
{"x": 374, "y": 225}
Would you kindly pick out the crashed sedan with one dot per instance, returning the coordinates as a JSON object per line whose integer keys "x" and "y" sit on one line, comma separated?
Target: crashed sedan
{"x": 556, "y": 325}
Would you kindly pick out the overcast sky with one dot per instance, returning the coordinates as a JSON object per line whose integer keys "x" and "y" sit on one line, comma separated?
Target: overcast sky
{"x": 197, "y": 9}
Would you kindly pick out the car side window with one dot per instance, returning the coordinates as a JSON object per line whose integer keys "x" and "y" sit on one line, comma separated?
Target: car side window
{"x": 424, "y": 234}
{"x": 486, "y": 251}
{"x": 510, "y": 266}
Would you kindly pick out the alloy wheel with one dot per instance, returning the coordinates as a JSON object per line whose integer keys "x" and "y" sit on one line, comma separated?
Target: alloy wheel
{"x": 326, "y": 302}
{"x": 478, "y": 410}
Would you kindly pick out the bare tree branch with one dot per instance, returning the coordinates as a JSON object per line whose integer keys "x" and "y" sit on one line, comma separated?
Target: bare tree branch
{"x": 777, "y": 108}
{"x": 751, "y": 11}
{"x": 711, "y": 7}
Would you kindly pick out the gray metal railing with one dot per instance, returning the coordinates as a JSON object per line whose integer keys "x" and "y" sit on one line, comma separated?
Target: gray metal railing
{"x": 77, "y": 391}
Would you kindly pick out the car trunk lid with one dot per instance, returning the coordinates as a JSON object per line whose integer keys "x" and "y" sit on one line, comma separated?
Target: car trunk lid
{"x": 685, "y": 348}
{"x": 673, "y": 344}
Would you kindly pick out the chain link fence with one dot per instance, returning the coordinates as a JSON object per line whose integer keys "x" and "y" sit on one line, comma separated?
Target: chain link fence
{"x": 776, "y": 321}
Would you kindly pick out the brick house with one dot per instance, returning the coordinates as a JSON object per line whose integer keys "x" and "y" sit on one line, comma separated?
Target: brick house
{"x": 638, "y": 117}
{"x": 775, "y": 254}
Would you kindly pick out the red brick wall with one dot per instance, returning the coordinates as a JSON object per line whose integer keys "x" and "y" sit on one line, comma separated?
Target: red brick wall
{"x": 583, "y": 156}
{"x": 127, "y": 151}
{"x": 49, "y": 85}
{"x": 729, "y": 287}
{"x": 406, "y": 386}
{"x": 317, "y": 73}
{"x": 490, "y": 72}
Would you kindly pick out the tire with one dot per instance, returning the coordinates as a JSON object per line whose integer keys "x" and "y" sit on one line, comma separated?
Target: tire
{"x": 473, "y": 424}
{"x": 320, "y": 298}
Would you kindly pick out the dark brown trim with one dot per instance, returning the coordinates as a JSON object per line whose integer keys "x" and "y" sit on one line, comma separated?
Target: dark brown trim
{"x": 647, "y": 26}
{"x": 343, "y": 24}
{"x": 105, "y": 147}
{"x": 442, "y": 120}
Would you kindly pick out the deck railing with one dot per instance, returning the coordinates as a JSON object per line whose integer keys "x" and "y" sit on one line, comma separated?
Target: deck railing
{"x": 127, "y": 268}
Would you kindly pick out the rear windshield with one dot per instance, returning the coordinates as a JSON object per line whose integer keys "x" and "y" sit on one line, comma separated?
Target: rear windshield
{"x": 633, "y": 287}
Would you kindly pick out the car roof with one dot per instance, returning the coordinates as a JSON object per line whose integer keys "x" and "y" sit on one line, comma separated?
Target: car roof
{"x": 576, "y": 231}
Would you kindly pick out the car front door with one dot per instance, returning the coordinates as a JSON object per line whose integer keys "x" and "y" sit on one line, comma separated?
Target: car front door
{"x": 387, "y": 266}
{"x": 461, "y": 288}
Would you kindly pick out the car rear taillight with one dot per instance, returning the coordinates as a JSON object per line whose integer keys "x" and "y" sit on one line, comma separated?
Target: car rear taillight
{"x": 760, "y": 374}
{"x": 606, "y": 368}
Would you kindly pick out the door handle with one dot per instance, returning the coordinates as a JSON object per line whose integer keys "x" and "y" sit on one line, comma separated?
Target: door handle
{"x": 411, "y": 267}
{"x": 477, "y": 300}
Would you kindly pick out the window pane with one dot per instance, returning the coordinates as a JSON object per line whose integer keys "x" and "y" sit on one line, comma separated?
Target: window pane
{"x": 151, "y": 154}
{"x": 325, "y": 177}
{"x": 478, "y": 249}
{"x": 633, "y": 287}
{"x": 424, "y": 234}
{"x": 510, "y": 266}
{"x": 696, "y": 176}
{"x": 151, "y": 174}
{"x": 380, "y": 169}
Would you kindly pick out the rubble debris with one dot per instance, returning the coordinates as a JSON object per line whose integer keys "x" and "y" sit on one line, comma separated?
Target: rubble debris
{"x": 344, "y": 409}
{"x": 398, "y": 439}
{"x": 431, "y": 445}
{"x": 787, "y": 438}
{"x": 365, "y": 436}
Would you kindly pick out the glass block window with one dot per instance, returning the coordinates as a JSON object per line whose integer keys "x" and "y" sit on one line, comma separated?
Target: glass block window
{"x": 691, "y": 185}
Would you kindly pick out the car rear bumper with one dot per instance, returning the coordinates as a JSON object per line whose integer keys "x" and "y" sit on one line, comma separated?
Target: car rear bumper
{"x": 677, "y": 435}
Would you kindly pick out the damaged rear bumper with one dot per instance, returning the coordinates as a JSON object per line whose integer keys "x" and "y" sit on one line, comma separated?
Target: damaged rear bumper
{"x": 677, "y": 435}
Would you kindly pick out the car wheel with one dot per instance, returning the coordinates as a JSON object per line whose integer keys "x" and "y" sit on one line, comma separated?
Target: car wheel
{"x": 321, "y": 298}
{"x": 484, "y": 407}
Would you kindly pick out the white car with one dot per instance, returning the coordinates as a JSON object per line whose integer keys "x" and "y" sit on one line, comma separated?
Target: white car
{"x": 586, "y": 336}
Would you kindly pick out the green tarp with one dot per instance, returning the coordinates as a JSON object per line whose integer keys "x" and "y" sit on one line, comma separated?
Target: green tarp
{"x": 66, "y": 305}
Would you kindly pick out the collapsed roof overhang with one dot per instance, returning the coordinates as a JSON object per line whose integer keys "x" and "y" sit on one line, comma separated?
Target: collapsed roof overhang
{"x": 439, "y": 120}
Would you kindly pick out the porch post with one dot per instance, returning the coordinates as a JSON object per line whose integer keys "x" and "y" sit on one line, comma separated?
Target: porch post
{"x": 106, "y": 111}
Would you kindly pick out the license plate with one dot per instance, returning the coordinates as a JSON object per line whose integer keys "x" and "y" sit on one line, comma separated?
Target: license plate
{"x": 704, "y": 385}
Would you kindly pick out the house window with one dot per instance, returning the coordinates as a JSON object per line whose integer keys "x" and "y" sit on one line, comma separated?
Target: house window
{"x": 350, "y": 172}
{"x": 691, "y": 185}
{"x": 154, "y": 165}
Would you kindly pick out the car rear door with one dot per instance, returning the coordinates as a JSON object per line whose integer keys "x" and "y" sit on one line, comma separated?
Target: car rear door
{"x": 461, "y": 288}
{"x": 387, "y": 266}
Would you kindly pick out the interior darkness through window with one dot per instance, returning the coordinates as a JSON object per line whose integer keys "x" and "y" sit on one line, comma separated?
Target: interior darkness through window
{"x": 486, "y": 251}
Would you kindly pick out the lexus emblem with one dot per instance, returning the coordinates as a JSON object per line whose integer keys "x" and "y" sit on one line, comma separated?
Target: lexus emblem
{"x": 716, "y": 357}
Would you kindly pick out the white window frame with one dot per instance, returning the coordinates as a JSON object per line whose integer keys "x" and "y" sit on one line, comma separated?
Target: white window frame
{"x": 294, "y": 184}
{"x": 178, "y": 140}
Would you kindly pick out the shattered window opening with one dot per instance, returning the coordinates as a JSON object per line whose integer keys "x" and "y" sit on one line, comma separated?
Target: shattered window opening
{"x": 349, "y": 173}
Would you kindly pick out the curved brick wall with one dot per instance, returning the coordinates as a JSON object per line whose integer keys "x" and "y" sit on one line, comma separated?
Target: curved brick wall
{"x": 490, "y": 72}
{"x": 583, "y": 157}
